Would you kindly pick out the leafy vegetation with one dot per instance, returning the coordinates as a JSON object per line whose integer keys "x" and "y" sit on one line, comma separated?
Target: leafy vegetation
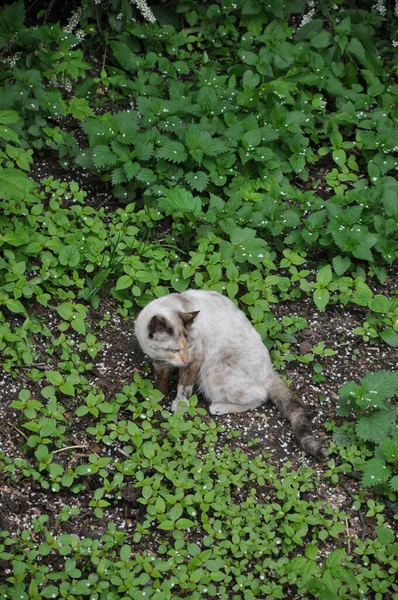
{"x": 249, "y": 148}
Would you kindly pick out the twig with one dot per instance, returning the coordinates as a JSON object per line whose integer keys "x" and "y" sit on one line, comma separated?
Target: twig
{"x": 70, "y": 448}
{"x": 49, "y": 9}
{"x": 103, "y": 202}
{"x": 16, "y": 429}
{"x": 124, "y": 452}
{"x": 348, "y": 536}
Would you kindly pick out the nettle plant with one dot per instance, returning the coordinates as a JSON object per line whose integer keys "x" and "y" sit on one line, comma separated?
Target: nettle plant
{"x": 375, "y": 429}
{"x": 251, "y": 122}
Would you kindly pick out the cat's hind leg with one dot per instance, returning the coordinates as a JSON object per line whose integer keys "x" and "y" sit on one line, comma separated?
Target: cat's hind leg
{"x": 238, "y": 401}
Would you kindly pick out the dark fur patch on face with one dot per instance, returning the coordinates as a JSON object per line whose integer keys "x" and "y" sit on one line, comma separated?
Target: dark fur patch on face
{"x": 159, "y": 324}
{"x": 188, "y": 317}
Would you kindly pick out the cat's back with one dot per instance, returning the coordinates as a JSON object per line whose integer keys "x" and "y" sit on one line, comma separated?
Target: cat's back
{"x": 220, "y": 319}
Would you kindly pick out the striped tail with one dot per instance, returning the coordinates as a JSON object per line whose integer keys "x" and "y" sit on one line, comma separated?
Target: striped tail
{"x": 296, "y": 413}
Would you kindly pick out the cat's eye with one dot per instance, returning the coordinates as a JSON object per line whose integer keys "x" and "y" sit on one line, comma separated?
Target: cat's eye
{"x": 173, "y": 350}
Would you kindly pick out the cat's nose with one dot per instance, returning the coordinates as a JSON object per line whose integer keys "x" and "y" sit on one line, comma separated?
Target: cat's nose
{"x": 184, "y": 355}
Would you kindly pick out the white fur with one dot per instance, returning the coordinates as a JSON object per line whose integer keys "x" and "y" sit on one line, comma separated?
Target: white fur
{"x": 235, "y": 365}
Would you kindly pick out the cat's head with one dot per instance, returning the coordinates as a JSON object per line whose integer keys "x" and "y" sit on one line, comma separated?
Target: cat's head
{"x": 170, "y": 338}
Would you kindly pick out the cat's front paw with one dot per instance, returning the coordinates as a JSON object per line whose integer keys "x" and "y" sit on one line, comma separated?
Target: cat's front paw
{"x": 179, "y": 404}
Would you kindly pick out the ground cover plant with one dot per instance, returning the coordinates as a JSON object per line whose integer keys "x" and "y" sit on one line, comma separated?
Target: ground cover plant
{"x": 245, "y": 147}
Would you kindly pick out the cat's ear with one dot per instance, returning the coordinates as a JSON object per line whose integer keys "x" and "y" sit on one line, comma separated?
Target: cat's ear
{"x": 158, "y": 324}
{"x": 188, "y": 317}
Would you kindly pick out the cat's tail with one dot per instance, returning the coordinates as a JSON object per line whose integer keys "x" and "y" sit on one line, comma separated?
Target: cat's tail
{"x": 296, "y": 413}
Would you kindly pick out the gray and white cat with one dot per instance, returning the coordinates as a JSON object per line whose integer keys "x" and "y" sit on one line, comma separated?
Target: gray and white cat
{"x": 217, "y": 348}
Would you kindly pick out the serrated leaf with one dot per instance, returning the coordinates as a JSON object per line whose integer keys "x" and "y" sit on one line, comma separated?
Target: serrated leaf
{"x": 180, "y": 199}
{"x": 251, "y": 139}
{"x": 118, "y": 176}
{"x": 375, "y": 472}
{"x": 341, "y": 264}
{"x": 197, "y": 181}
{"x": 80, "y": 108}
{"x": 390, "y": 449}
{"x": 343, "y": 438}
{"x": 383, "y": 383}
{"x": 173, "y": 151}
{"x": 211, "y": 146}
{"x": 131, "y": 169}
{"x": 103, "y": 156}
{"x": 394, "y": 483}
{"x": 374, "y": 428}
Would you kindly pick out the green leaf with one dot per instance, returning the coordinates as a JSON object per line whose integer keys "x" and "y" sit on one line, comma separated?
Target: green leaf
{"x": 375, "y": 472}
{"x": 70, "y": 256}
{"x": 8, "y": 134}
{"x": 390, "y": 449}
{"x": 321, "y": 298}
{"x": 80, "y": 108}
{"x": 9, "y": 116}
{"x": 390, "y": 337}
{"x": 383, "y": 383}
{"x": 103, "y": 156}
{"x": 65, "y": 310}
{"x": 248, "y": 57}
{"x": 341, "y": 264}
{"x": 54, "y": 377}
{"x": 15, "y": 184}
{"x": 394, "y": 483}
{"x": 15, "y": 306}
{"x": 339, "y": 157}
{"x": 211, "y": 146}
{"x": 380, "y": 303}
{"x": 67, "y": 388}
{"x": 124, "y": 282}
{"x": 173, "y": 151}
{"x": 184, "y": 523}
{"x": 180, "y": 199}
{"x": 148, "y": 450}
{"x": 251, "y": 139}
{"x": 384, "y": 535}
{"x": 125, "y": 57}
{"x": 356, "y": 47}
{"x": 321, "y": 40}
{"x": 131, "y": 169}
{"x": 78, "y": 325}
{"x": 166, "y": 525}
{"x": 324, "y": 276}
{"x": 197, "y": 181}
{"x": 118, "y": 176}
{"x": 374, "y": 428}
{"x": 362, "y": 294}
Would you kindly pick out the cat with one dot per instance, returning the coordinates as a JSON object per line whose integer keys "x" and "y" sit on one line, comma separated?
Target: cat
{"x": 215, "y": 346}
